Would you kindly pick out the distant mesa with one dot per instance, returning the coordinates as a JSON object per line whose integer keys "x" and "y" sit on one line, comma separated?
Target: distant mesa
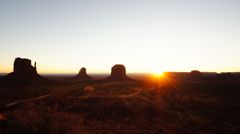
{"x": 226, "y": 76}
{"x": 118, "y": 73}
{"x": 24, "y": 74}
{"x": 82, "y": 75}
{"x": 195, "y": 74}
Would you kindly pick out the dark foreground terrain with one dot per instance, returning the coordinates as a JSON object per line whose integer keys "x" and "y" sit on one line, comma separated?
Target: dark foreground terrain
{"x": 175, "y": 106}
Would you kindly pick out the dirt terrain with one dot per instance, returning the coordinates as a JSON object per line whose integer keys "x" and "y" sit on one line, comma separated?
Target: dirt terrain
{"x": 140, "y": 107}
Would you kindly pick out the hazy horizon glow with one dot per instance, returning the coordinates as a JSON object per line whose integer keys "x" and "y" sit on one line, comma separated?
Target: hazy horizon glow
{"x": 144, "y": 35}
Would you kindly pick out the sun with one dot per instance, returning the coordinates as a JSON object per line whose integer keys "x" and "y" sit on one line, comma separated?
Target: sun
{"x": 159, "y": 74}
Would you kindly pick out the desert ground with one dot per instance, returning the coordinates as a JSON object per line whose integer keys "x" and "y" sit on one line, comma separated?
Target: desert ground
{"x": 166, "y": 105}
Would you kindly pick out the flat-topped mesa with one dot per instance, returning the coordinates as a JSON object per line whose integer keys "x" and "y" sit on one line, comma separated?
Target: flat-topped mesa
{"x": 82, "y": 75}
{"x": 226, "y": 76}
{"x": 24, "y": 66}
{"x": 196, "y": 74}
{"x": 118, "y": 73}
{"x": 24, "y": 74}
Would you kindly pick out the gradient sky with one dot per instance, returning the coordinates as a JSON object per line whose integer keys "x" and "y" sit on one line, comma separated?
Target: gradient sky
{"x": 144, "y": 35}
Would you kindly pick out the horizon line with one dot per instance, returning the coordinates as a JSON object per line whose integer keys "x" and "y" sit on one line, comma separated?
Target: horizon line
{"x": 130, "y": 73}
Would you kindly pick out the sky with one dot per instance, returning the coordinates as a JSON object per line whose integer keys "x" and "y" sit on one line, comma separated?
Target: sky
{"x": 144, "y": 35}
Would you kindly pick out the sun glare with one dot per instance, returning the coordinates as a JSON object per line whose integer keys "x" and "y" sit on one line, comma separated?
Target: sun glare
{"x": 159, "y": 74}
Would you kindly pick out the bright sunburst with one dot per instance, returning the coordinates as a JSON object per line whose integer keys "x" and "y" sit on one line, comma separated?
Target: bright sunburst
{"x": 159, "y": 74}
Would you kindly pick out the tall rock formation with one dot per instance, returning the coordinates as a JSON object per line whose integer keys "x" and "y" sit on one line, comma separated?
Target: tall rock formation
{"x": 82, "y": 75}
{"x": 23, "y": 74}
{"x": 23, "y": 68}
{"x": 118, "y": 73}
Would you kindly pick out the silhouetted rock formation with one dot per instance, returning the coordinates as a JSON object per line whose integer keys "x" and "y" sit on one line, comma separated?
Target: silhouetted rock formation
{"x": 82, "y": 75}
{"x": 226, "y": 76}
{"x": 196, "y": 74}
{"x": 23, "y": 67}
{"x": 23, "y": 74}
{"x": 118, "y": 73}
